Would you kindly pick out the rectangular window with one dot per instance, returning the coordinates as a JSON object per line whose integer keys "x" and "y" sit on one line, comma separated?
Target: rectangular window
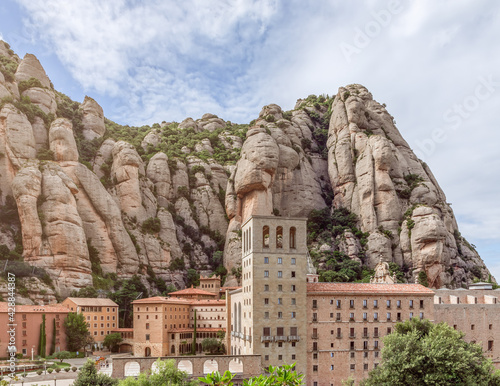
{"x": 293, "y": 331}
{"x": 375, "y": 316}
{"x": 293, "y": 301}
{"x": 365, "y": 303}
{"x": 293, "y": 273}
{"x": 339, "y": 304}
{"x": 266, "y": 300}
{"x": 147, "y": 326}
{"x": 411, "y": 303}
{"x": 351, "y": 303}
{"x": 293, "y": 261}
{"x": 376, "y": 355}
{"x": 351, "y": 333}
{"x": 280, "y": 300}
{"x": 365, "y": 366}
{"x": 147, "y": 336}
{"x": 280, "y": 357}
{"x": 389, "y": 330}
{"x": 293, "y": 314}
{"x": 293, "y": 288}
{"x": 352, "y": 345}
{"x": 266, "y": 260}
{"x": 490, "y": 345}
{"x": 331, "y": 367}
{"x": 280, "y": 331}
{"x": 315, "y": 303}
{"x": 280, "y": 315}
{"x": 365, "y": 316}
{"x": 280, "y": 260}
{"x": 266, "y": 287}
{"x": 472, "y": 327}
{"x": 339, "y": 332}
{"x": 375, "y": 304}
{"x": 388, "y": 316}
{"x": 375, "y": 344}
{"x": 375, "y": 332}
{"x": 411, "y": 315}
{"x": 315, "y": 317}
{"x": 280, "y": 287}
{"x": 315, "y": 368}
{"x": 280, "y": 273}
{"x": 421, "y": 315}
{"x": 365, "y": 345}
{"x": 266, "y": 273}
{"x": 398, "y": 303}
{"x": 338, "y": 317}
{"x": 351, "y": 316}
{"x": 422, "y": 303}
{"x": 266, "y": 331}
{"x": 353, "y": 367}
{"x": 388, "y": 304}
{"x": 266, "y": 357}
{"x": 266, "y": 315}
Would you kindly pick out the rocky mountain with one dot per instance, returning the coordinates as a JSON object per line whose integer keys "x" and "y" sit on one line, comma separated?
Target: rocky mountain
{"x": 87, "y": 202}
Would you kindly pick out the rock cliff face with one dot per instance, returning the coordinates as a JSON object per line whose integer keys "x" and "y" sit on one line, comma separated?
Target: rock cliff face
{"x": 85, "y": 200}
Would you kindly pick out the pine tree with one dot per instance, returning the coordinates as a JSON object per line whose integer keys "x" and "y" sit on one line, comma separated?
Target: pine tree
{"x": 193, "y": 347}
{"x": 53, "y": 345}
{"x": 43, "y": 338}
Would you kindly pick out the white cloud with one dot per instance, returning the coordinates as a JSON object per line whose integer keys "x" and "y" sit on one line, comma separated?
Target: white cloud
{"x": 169, "y": 60}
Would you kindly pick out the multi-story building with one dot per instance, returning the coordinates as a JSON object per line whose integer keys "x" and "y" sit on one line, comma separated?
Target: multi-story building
{"x": 347, "y": 322}
{"x": 27, "y": 322}
{"x": 268, "y": 313}
{"x": 101, "y": 315}
{"x": 476, "y": 312}
{"x": 165, "y": 326}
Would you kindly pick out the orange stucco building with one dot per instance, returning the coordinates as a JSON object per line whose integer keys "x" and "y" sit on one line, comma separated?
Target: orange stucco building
{"x": 27, "y": 321}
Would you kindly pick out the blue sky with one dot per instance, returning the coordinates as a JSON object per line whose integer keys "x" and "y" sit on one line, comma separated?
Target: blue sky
{"x": 435, "y": 65}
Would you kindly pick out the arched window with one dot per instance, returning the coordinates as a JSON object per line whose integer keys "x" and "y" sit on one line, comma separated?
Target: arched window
{"x": 279, "y": 237}
{"x": 172, "y": 350}
{"x": 250, "y": 238}
{"x": 292, "y": 237}
{"x": 265, "y": 236}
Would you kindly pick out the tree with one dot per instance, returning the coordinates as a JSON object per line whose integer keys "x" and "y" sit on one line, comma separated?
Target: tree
{"x": 43, "y": 338}
{"x": 131, "y": 290}
{"x": 422, "y": 353}
{"x": 53, "y": 343}
{"x": 112, "y": 341}
{"x": 193, "y": 278}
{"x": 167, "y": 374}
{"x": 87, "y": 292}
{"x": 211, "y": 345}
{"x": 193, "y": 346}
{"x": 77, "y": 333}
{"x": 89, "y": 376}
{"x": 62, "y": 355}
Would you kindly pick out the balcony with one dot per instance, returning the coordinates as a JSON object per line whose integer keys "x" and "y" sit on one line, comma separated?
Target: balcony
{"x": 233, "y": 333}
{"x": 240, "y": 335}
{"x": 352, "y": 336}
{"x": 366, "y": 336}
{"x": 376, "y": 335}
{"x": 280, "y": 338}
{"x": 248, "y": 337}
{"x": 339, "y": 336}
{"x": 266, "y": 338}
{"x": 293, "y": 338}
{"x": 315, "y": 320}
{"x": 314, "y": 336}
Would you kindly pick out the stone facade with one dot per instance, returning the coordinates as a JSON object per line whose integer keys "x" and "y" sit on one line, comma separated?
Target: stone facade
{"x": 165, "y": 326}
{"x": 476, "y": 313}
{"x": 267, "y": 314}
{"x": 346, "y": 323}
{"x": 101, "y": 315}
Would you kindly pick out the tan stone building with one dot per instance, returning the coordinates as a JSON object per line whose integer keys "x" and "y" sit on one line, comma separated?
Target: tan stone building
{"x": 347, "y": 322}
{"x": 165, "y": 326}
{"x": 101, "y": 315}
{"x": 27, "y": 322}
{"x": 476, "y": 312}
{"x": 267, "y": 314}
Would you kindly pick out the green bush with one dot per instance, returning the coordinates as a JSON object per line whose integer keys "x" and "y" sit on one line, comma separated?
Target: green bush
{"x": 26, "y": 84}
{"x": 151, "y": 225}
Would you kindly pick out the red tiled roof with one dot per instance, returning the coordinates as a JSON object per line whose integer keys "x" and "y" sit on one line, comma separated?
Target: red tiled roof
{"x": 93, "y": 302}
{"x": 368, "y": 288}
{"x": 33, "y": 308}
{"x": 197, "y": 329}
{"x": 161, "y": 299}
{"x": 191, "y": 291}
{"x": 208, "y": 302}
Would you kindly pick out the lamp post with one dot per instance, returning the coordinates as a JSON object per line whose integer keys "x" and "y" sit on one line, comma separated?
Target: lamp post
{"x": 45, "y": 367}
{"x": 32, "y": 352}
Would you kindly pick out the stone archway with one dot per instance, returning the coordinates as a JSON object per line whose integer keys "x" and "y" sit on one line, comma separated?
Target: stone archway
{"x": 132, "y": 369}
{"x": 209, "y": 366}
{"x": 236, "y": 366}
{"x": 185, "y": 365}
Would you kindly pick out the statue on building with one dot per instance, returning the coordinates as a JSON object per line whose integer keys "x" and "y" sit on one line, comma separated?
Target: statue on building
{"x": 383, "y": 274}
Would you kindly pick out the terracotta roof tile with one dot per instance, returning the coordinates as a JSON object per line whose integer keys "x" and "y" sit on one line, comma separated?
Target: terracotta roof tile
{"x": 34, "y": 308}
{"x": 161, "y": 299}
{"x": 191, "y": 291}
{"x": 93, "y": 302}
{"x": 368, "y": 288}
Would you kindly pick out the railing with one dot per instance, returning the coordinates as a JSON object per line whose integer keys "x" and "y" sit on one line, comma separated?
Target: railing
{"x": 266, "y": 338}
{"x": 248, "y": 337}
{"x": 280, "y": 338}
{"x": 314, "y": 336}
{"x": 339, "y": 336}
{"x": 352, "y": 336}
{"x": 293, "y": 338}
{"x": 366, "y": 336}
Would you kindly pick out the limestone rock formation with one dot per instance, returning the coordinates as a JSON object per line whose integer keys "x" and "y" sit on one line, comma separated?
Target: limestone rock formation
{"x": 93, "y": 119}
{"x": 87, "y": 199}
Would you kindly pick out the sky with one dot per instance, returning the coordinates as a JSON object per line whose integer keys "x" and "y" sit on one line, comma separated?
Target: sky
{"x": 434, "y": 63}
